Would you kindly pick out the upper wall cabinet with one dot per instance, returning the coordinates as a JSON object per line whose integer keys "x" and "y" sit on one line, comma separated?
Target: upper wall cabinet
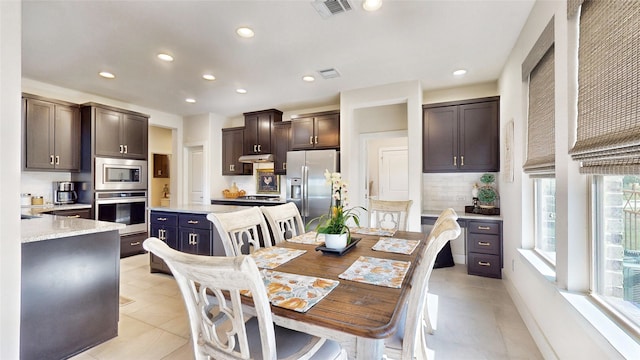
{"x": 281, "y": 136}
{"x": 116, "y": 132}
{"x": 258, "y": 129}
{"x": 51, "y": 132}
{"x": 316, "y": 131}
{"x": 461, "y": 136}
{"x": 232, "y": 140}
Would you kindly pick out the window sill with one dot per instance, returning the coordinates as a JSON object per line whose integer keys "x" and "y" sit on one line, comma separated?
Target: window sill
{"x": 541, "y": 266}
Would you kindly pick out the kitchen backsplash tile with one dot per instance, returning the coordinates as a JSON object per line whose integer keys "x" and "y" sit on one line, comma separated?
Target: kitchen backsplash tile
{"x": 441, "y": 191}
{"x": 40, "y": 183}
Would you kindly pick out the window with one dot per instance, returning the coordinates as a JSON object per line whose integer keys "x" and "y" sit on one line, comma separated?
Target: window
{"x": 545, "y": 218}
{"x": 617, "y": 243}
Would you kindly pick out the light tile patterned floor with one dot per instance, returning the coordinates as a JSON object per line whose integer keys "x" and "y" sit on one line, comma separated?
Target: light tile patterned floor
{"x": 475, "y": 318}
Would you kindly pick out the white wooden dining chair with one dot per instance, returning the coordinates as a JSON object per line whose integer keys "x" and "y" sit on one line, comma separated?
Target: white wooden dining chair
{"x": 241, "y": 231}
{"x": 285, "y": 221}
{"x": 409, "y": 341}
{"x": 226, "y": 333}
{"x": 388, "y": 214}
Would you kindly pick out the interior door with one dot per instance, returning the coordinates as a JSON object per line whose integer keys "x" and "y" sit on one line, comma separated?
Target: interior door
{"x": 394, "y": 173}
{"x": 196, "y": 175}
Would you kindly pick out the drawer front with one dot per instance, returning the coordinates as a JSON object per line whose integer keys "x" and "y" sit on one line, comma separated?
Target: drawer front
{"x": 484, "y": 227}
{"x": 132, "y": 244}
{"x": 484, "y": 243}
{"x": 164, "y": 218}
{"x": 198, "y": 221}
{"x": 484, "y": 265}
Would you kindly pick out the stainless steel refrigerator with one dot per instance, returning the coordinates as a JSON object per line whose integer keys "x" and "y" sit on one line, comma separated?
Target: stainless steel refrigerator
{"x": 306, "y": 185}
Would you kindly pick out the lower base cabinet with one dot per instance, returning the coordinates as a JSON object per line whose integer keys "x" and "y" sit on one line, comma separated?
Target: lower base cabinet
{"x": 484, "y": 248}
{"x": 186, "y": 232}
{"x": 132, "y": 244}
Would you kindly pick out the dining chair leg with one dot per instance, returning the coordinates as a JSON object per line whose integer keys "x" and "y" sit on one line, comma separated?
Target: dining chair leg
{"x": 426, "y": 319}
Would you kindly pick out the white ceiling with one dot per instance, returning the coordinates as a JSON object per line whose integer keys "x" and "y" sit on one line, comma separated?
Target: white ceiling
{"x": 66, "y": 43}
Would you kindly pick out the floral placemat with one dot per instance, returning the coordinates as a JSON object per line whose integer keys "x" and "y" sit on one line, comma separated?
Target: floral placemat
{"x": 373, "y": 231}
{"x": 308, "y": 238}
{"x": 396, "y": 245}
{"x": 294, "y": 292}
{"x": 382, "y": 272}
{"x": 272, "y": 257}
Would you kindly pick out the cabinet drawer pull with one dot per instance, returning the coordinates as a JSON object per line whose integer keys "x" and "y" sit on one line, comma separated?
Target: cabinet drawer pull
{"x": 484, "y": 243}
{"x": 73, "y": 216}
{"x": 484, "y": 227}
{"x": 57, "y": 160}
{"x": 51, "y": 159}
{"x": 135, "y": 243}
{"x": 192, "y": 221}
{"x": 310, "y": 140}
{"x": 455, "y": 161}
{"x": 484, "y": 263}
{"x": 161, "y": 219}
{"x": 462, "y": 160}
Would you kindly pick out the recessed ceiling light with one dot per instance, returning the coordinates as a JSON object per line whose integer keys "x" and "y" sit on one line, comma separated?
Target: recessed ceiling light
{"x": 308, "y": 78}
{"x": 371, "y": 5}
{"x": 190, "y": 100}
{"x": 208, "y": 77}
{"x": 241, "y": 91}
{"x": 165, "y": 57}
{"x": 245, "y": 32}
{"x": 106, "y": 74}
{"x": 460, "y": 72}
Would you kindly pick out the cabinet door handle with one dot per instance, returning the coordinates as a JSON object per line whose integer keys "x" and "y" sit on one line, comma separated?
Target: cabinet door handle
{"x": 484, "y": 227}
{"x": 455, "y": 161}
{"x": 126, "y": 149}
{"x": 484, "y": 243}
{"x": 161, "y": 234}
{"x": 121, "y": 149}
{"x": 231, "y": 167}
{"x": 192, "y": 221}
{"x": 462, "y": 160}
{"x": 316, "y": 139}
{"x": 161, "y": 219}
{"x": 259, "y": 147}
{"x": 135, "y": 243}
{"x": 57, "y": 160}
{"x": 284, "y": 166}
{"x": 484, "y": 263}
{"x": 193, "y": 239}
{"x": 255, "y": 148}
{"x": 310, "y": 140}
{"x": 51, "y": 159}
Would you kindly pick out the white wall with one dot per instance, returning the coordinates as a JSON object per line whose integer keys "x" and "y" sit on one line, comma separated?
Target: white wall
{"x": 10, "y": 152}
{"x": 557, "y": 327}
{"x": 461, "y": 93}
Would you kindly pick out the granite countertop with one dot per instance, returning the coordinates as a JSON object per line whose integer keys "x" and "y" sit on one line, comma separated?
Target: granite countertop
{"x": 279, "y": 201}
{"x": 199, "y": 208}
{"x": 47, "y": 227}
{"x": 38, "y": 209}
{"x": 463, "y": 215}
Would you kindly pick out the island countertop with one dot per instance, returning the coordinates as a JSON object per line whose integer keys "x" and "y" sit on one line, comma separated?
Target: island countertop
{"x": 199, "y": 208}
{"x": 462, "y": 215}
{"x": 47, "y": 227}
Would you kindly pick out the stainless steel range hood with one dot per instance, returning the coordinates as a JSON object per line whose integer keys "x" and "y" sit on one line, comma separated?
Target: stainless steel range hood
{"x": 260, "y": 158}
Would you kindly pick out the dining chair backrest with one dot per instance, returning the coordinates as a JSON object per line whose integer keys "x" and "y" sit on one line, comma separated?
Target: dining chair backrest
{"x": 219, "y": 334}
{"x": 413, "y": 336}
{"x": 285, "y": 221}
{"x": 241, "y": 230}
{"x": 389, "y": 214}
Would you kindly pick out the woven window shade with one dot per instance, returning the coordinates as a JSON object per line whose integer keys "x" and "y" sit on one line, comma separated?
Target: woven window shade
{"x": 541, "y": 119}
{"x": 608, "y": 133}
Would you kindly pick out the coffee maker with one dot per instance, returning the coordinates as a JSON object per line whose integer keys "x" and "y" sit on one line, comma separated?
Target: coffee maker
{"x": 64, "y": 192}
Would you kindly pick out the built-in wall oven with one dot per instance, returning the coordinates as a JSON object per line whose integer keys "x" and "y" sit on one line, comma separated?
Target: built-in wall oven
{"x": 120, "y": 174}
{"x": 124, "y": 207}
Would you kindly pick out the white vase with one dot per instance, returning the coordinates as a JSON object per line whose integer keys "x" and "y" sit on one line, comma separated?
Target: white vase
{"x": 335, "y": 241}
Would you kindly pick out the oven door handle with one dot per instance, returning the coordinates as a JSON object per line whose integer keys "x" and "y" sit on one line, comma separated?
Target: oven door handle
{"x": 120, "y": 201}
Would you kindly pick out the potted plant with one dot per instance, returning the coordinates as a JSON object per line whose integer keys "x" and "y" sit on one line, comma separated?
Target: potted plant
{"x": 334, "y": 224}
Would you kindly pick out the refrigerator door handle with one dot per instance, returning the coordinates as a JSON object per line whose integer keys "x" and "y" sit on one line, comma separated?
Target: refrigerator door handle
{"x": 305, "y": 192}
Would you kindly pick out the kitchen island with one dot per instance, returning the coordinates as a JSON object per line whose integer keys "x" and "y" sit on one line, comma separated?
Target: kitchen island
{"x": 186, "y": 228}
{"x": 70, "y": 285}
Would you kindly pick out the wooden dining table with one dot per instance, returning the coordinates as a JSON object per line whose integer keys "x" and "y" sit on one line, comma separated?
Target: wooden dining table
{"x": 359, "y": 316}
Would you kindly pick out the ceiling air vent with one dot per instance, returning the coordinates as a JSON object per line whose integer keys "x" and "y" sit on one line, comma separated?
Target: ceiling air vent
{"x": 327, "y": 8}
{"x": 329, "y": 73}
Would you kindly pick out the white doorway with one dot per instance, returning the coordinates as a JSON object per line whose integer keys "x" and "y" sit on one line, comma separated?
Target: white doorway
{"x": 195, "y": 174}
{"x": 393, "y": 173}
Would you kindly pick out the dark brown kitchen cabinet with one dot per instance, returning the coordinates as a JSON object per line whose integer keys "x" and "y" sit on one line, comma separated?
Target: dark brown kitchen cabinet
{"x": 484, "y": 248}
{"x": 51, "y": 131}
{"x": 316, "y": 131}
{"x": 461, "y": 136}
{"x": 232, "y": 143}
{"x": 281, "y": 136}
{"x": 258, "y": 129}
{"x": 118, "y": 133}
{"x": 160, "y": 166}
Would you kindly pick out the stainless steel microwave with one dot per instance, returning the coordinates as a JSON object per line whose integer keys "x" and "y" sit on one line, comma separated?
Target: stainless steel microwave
{"x": 120, "y": 174}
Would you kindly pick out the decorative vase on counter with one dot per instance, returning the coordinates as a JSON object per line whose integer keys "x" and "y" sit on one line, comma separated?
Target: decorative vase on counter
{"x": 336, "y": 241}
